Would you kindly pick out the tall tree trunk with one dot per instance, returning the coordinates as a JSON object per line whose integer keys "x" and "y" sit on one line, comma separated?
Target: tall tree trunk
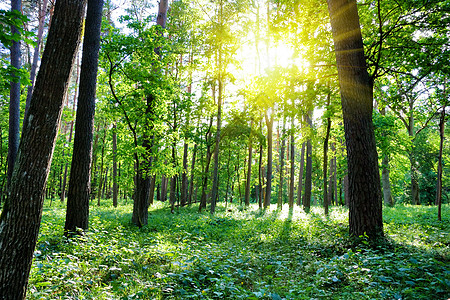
{"x": 114, "y": 150}
{"x": 387, "y": 195}
{"x": 439, "y": 173}
{"x": 36, "y": 55}
{"x": 365, "y": 207}
{"x": 215, "y": 186}
{"x": 249, "y": 167}
{"x": 208, "y": 161}
{"x": 300, "y": 175}
{"x": 325, "y": 162}
{"x": 191, "y": 181}
{"x": 69, "y": 140}
{"x": 269, "y": 123}
{"x": 14, "y": 97}
{"x": 21, "y": 216}
{"x": 308, "y": 178}
{"x": 283, "y": 149}
{"x": 184, "y": 181}
{"x": 292, "y": 169}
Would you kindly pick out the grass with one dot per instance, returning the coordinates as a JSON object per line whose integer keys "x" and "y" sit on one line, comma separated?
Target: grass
{"x": 241, "y": 254}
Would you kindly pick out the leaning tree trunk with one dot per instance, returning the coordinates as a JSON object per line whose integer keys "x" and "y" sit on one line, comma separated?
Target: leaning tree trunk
{"x": 77, "y": 213}
{"x": 21, "y": 217}
{"x": 365, "y": 207}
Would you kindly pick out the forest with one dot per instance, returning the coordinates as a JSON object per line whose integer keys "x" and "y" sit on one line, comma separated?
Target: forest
{"x": 224, "y": 149}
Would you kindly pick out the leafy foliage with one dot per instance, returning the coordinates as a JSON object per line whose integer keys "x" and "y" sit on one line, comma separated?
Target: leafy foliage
{"x": 241, "y": 254}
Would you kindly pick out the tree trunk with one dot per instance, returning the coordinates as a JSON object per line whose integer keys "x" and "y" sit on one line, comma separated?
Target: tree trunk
{"x": 387, "y": 195}
{"x": 325, "y": 162}
{"x": 292, "y": 181}
{"x": 14, "y": 93}
{"x": 300, "y": 175}
{"x": 365, "y": 207}
{"x": 281, "y": 183}
{"x": 269, "y": 123}
{"x": 308, "y": 178}
{"x": 184, "y": 182}
{"x": 439, "y": 173}
{"x": 249, "y": 167}
{"x": 21, "y": 216}
{"x": 191, "y": 184}
{"x": 114, "y": 149}
{"x": 36, "y": 55}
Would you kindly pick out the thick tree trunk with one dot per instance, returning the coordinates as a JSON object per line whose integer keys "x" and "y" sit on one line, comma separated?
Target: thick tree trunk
{"x": 365, "y": 207}
{"x": 300, "y": 175}
{"x": 14, "y": 98}
{"x": 21, "y": 216}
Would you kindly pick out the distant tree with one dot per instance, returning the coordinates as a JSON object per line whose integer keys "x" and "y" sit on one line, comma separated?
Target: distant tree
{"x": 77, "y": 213}
{"x": 21, "y": 216}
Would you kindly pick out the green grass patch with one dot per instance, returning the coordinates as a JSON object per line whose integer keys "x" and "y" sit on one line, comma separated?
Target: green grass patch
{"x": 241, "y": 254}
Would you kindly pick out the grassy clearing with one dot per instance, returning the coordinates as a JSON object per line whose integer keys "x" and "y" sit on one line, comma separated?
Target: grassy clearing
{"x": 241, "y": 254}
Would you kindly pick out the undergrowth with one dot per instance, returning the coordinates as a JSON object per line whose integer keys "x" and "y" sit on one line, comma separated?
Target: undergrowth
{"x": 241, "y": 254}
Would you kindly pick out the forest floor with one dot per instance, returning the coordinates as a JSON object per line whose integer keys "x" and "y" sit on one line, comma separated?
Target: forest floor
{"x": 241, "y": 254}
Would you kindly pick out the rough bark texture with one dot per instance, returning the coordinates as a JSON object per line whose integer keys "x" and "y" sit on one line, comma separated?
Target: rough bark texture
{"x": 77, "y": 213}
{"x": 14, "y": 98}
{"x": 365, "y": 207}
{"x": 21, "y": 217}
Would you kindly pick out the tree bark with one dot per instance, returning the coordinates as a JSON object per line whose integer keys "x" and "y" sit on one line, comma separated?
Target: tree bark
{"x": 300, "y": 175}
{"x": 439, "y": 173}
{"x": 21, "y": 216}
{"x": 36, "y": 55}
{"x": 77, "y": 213}
{"x": 114, "y": 150}
{"x": 269, "y": 123}
{"x": 292, "y": 169}
{"x": 365, "y": 207}
{"x": 14, "y": 97}
{"x": 308, "y": 178}
{"x": 184, "y": 181}
{"x": 325, "y": 162}
{"x": 249, "y": 168}
{"x": 282, "y": 150}
{"x": 191, "y": 181}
